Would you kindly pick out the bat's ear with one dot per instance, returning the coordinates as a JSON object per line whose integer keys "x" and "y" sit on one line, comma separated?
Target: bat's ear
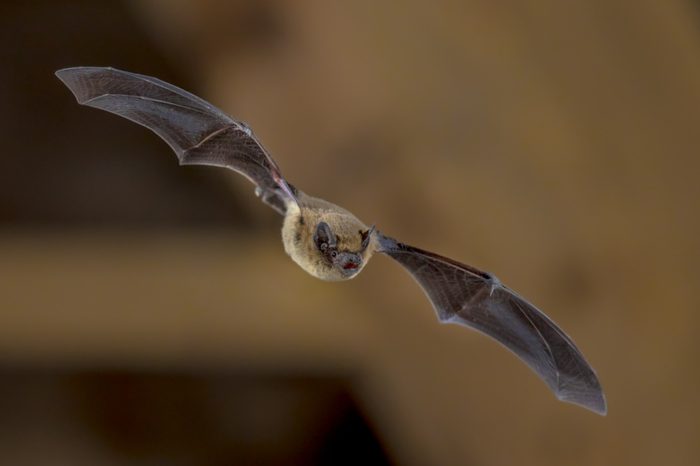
{"x": 324, "y": 237}
{"x": 366, "y": 236}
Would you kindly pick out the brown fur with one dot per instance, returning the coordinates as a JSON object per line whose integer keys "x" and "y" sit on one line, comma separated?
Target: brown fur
{"x": 299, "y": 228}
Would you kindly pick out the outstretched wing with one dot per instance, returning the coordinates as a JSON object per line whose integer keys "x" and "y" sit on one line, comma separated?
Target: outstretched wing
{"x": 198, "y": 132}
{"x": 464, "y": 295}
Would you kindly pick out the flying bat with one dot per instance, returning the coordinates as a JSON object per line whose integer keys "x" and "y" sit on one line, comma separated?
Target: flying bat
{"x": 331, "y": 243}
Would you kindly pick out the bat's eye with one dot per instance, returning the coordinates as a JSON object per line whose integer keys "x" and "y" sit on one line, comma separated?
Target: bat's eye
{"x": 334, "y": 254}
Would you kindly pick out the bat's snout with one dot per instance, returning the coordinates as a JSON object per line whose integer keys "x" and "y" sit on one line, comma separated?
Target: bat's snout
{"x": 350, "y": 263}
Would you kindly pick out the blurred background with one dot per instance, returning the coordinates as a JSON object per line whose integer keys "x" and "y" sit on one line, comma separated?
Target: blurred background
{"x": 148, "y": 313}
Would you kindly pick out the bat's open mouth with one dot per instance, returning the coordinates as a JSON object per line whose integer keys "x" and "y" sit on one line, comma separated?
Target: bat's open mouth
{"x": 350, "y": 265}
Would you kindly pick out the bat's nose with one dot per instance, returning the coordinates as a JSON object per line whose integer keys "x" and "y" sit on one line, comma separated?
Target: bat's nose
{"x": 351, "y": 261}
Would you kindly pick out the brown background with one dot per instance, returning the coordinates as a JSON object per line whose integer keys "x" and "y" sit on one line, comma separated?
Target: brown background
{"x": 148, "y": 314}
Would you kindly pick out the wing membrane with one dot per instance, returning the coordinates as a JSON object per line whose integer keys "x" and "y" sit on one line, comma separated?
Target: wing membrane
{"x": 198, "y": 132}
{"x": 467, "y": 296}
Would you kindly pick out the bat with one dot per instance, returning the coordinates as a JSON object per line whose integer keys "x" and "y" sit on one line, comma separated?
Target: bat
{"x": 328, "y": 241}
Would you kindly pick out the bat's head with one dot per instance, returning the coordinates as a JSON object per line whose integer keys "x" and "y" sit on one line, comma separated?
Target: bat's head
{"x": 345, "y": 256}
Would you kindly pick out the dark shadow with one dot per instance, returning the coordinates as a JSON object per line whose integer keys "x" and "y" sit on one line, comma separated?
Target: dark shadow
{"x": 185, "y": 418}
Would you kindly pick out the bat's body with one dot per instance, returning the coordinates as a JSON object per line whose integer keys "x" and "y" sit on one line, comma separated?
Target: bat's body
{"x": 298, "y": 238}
{"x": 328, "y": 241}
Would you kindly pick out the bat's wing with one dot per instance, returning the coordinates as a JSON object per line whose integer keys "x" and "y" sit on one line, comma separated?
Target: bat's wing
{"x": 464, "y": 295}
{"x": 198, "y": 132}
